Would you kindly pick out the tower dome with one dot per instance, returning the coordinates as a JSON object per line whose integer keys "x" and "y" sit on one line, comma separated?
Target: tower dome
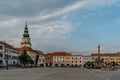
{"x": 26, "y": 33}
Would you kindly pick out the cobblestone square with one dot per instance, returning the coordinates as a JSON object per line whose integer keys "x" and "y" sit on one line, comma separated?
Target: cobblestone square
{"x": 58, "y": 74}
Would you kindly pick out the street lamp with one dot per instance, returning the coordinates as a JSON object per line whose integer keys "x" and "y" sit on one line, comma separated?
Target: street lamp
{"x": 7, "y": 61}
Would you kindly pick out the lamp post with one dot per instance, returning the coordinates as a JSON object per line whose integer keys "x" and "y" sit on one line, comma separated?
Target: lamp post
{"x": 7, "y": 61}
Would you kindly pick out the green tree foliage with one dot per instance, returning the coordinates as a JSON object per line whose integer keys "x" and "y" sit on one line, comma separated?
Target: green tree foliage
{"x": 25, "y": 59}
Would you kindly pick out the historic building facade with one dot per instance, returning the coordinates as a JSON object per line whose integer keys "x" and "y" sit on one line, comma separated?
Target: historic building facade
{"x": 26, "y": 38}
{"x": 68, "y": 60}
{"x": 49, "y": 59}
{"x": 86, "y": 59}
{"x": 103, "y": 56}
{"x": 115, "y": 58}
{"x": 8, "y": 54}
{"x": 2, "y": 56}
{"x": 41, "y": 58}
{"x": 76, "y": 60}
{"x": 59, "y": 59}
{"x": 26, "y": 44}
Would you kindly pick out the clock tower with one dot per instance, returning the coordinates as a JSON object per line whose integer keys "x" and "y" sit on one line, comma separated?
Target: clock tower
{"x": 26, "y": 38}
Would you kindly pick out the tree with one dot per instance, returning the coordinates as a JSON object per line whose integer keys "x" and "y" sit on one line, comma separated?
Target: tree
{"x": 25, "y": 59}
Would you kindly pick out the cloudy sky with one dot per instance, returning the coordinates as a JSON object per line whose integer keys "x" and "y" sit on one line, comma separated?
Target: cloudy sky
{"x": 75, "y": 26}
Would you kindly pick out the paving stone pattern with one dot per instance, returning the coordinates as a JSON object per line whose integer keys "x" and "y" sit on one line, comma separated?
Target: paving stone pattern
{"x": 58, "y": 74}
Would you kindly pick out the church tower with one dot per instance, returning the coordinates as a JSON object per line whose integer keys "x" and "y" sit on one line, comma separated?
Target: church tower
{"x": 26, "y": 38}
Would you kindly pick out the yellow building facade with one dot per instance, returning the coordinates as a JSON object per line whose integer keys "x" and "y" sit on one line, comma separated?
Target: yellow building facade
{"x": 115, "y": 59}
{"x": 68, "y": 60}
{"x": 76, "y": 60}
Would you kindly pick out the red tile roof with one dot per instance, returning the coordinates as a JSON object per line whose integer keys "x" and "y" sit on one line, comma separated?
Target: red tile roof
{"x": 77, "y": 55}
{"x": 7, "y": 45}
{"x": 61, "y": 54}
{"x": 58, "y": 54}
{"x": 39, "y": 52}
{"x": 49, "y": 54}
{"x": 24, "y": 48}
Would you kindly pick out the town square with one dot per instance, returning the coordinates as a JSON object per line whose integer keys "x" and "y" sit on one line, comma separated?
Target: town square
{"x": 58, "y": 74}
{"x": 59, "y": 40}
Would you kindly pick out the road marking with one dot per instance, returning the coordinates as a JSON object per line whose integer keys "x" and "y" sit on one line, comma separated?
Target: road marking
{"x": 96, "y": 74}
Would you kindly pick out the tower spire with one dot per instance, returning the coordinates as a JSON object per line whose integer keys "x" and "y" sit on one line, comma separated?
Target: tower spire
{"x": 26, "y": 38}
{"x": 26, "y": 32}
{"x": 25, "y": 24}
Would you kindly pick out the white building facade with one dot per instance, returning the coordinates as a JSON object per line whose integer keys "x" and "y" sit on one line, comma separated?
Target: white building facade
{"x": 41, "y": 61}
{"x": 8, "y": 54}
{"x": 2, "y": 56}
{"x": 86, "y": 59}
{"x": 58, "y": 61}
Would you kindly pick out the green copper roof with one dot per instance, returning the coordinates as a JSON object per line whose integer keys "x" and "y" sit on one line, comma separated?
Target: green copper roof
{"x": 26, "y": 33}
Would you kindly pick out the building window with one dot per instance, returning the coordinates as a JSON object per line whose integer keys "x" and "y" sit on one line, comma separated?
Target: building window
{"x": 6, "y": 50}
{"x": 14, "y": 57}
{"x": 1, "y": 55}
{"x": 7, "y": 56}
{"x": 43, "y": 60}
{"x": 39, "y": 60}
{"x": 1, "y": 47}
{"x": 80, "y": 61}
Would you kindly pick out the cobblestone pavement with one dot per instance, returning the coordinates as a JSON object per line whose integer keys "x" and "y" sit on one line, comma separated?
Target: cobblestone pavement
{"x": 58, "y": 74}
